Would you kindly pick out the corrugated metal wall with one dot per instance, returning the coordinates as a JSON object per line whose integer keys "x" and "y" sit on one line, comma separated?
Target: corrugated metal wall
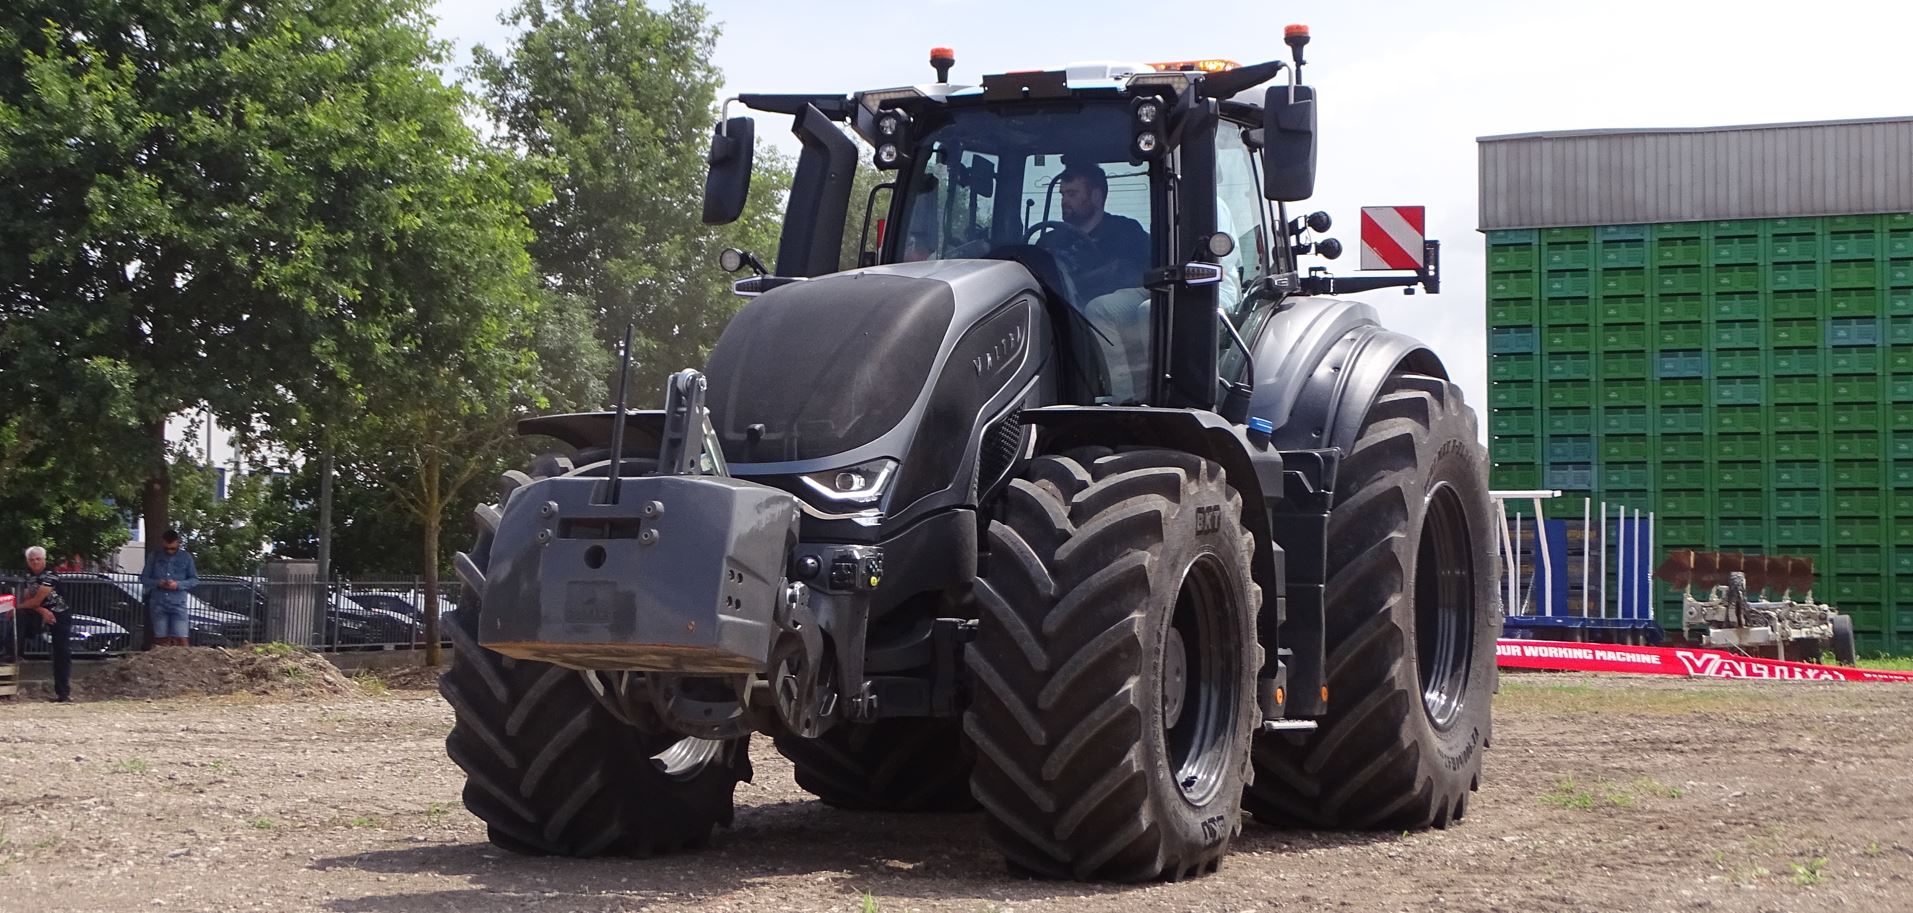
{"x": 1617, "y": 177}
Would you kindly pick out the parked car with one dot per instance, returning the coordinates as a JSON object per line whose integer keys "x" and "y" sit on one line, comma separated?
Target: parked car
{"x": 206, "y": 626}
{"x": 89, "y": 635}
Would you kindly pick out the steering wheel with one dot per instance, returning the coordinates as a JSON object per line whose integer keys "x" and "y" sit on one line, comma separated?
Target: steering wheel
{"x": 1063, "y": 233}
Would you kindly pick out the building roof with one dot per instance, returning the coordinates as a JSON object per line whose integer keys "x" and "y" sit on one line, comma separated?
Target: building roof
{"x": 1631, "y": 176}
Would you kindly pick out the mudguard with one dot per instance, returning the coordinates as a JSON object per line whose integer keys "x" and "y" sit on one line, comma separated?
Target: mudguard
{"x": 1319, "y": 364}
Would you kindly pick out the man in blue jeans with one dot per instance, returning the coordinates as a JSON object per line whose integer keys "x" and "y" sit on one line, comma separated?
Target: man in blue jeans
{"x": 42, "y": 598}
{"x": 169, "y": 573}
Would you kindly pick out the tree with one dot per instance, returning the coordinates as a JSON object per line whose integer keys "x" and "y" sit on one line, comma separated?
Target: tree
{"x": 617, "y": 100}
{"x": 225, "y": 530}
{"x": 199, "y": 202}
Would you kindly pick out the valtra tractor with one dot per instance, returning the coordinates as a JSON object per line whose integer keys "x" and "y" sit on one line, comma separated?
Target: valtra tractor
{"x": 1114, "y": 532}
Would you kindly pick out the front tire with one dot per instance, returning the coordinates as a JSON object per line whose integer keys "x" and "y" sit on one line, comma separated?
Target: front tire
{"x": 551, "y": 771}
{"x": 894, "y": 765}
{"x": 1411, "y": 622}
{"x": 1114, "y": 668}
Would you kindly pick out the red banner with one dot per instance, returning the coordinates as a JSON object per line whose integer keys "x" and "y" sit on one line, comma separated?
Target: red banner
{"x": 1686, "y": 661}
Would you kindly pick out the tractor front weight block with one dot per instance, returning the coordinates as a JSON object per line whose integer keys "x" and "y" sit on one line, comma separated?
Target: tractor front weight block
{"x": 677, "y": 573}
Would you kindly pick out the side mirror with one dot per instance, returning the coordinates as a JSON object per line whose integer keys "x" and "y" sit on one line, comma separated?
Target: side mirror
{"x": 1288, "y": 143}
{"x": 733, "y": 149}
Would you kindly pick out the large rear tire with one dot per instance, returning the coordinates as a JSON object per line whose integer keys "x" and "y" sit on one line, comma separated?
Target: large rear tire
{"x": 551, "y": 771}
{"x": 1114, "y": 668}
{"x": 1845, "y": 651}
{"x": 1411, "y": 627}
{"x": 895, "y": 765}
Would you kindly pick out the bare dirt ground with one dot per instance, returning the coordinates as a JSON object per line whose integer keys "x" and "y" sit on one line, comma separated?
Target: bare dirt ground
{"x": 1600, "y": 794}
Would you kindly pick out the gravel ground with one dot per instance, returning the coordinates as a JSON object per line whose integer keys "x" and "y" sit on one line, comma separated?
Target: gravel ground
{"x": 1601, "y": 794}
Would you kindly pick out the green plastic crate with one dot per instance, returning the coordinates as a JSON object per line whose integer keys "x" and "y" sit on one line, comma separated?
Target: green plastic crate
{"x": 1899, "y": 243}
{"x": 1853, "y": 388}
{"x": 1509, "y": 257}
{"x": 1799, "y": 503}
{"x": 1570, "y": 421}
{"x": 1688, "y": 476}
{"x": 1513, "y": 450}
{"x": 1739, "y": 474}
{"x": 1569, "y": 476}
{"x": 1794, "y": 333}
{"x": 1899, "y": 359}
{"x": 1857, "y": 474}
{"x": 1683, "y": 419}
{"x": 1571, "y": 449}
{"x": 1625, "y": 477}
{"x": 1806, "y": 303}
{"x": 1796, "y": 224}
{"x": 1791, "y": 276}
{"x": 1513, "y": 340}
{"x": 1684, "y": 532}
{"x": 1681, "y": 392}
{"x": 1680, "y": 363}
{"x": 1625, "y": 420}
{"x": 1856, "y": 561}
{"x": 1745, "y": 249}
{"x": 1621, "y": 391}
{"x": 1680, "y": 280}
{"x": 1794, "y": 249}
{"x": 1568, "y": 339}
{"x": 1859, "y": 503}
{"x": 1805, "y": 389}
{"x": 1679, "y": 251}
{"x": 1853, "y": 331}
{"x": 1899, "y": 301}
{"x": 1900, "y": 445}
{"x": 1509, "y": 394}
{"x": 1738, "y": 444}
{"x": 1739, "y": 390}
{"x": 1903, "y": 561}
{"x": 1739, "y": 306}
{"x": 1511, "y": 285}
{"x": 1687, "y": 230}
{"x": 1787, "y": 531}
{"x": 1680, "y": 447}
{"x": 1737, "y": 279}
{"x": 1628, "y": 310}
{"x": 1859, "y": 531}
{"x": 1853, "y": 361}
{"x": 1799, "y": 473}
{"x": 1737, "y": 334}
{"x": 1852, "y": 245}
{"x": 1899, "y": 330}
{"x": 1683, "y": 504}
{"x": 1749, "y": 418}
{"x": 1857, "y": 445}
{"x": 1854, "y": 303}
{"x": 1569, "y": 365}
{"x": 1515, "y": 476}
{"x": 1623, "y": 282}
{"x": 1607, "y": 233}
{"x": 1743, "y": 532}
{"x": 1625, "y": 448}
{"x": 1738, "y": 363}
{"x": 1512, "y": 313}
{"x": 1854, "y": 416}
{"x": 1623, "y": 364}
{"x": 1903, "y": 511}
{"x": 1854, "y": 274}
{"x": 1734, "y": 227}
{"x": 1798, "y": 416}
{"x": 1793, "y": 362}
{"x": 1680, "y": 336}
{"x": 1567, "y": 284}
{"x": 1514, "y": 236}
{"x": 1574, "y": 255}
{"x": 1616, "y": 252}
{"x": 1512, "y": 367}
{"x": 1623, "y": 338}
{"x": 1569, "y": 393}
{"x": 1567, "y": 313}
{"x": 1797, "y": 445}
{"x": 1900, "y": 390}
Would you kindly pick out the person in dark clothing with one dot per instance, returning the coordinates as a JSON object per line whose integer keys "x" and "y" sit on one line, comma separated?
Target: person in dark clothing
{"x": 43, "y": 599}
{"x": 1114, "y": 251}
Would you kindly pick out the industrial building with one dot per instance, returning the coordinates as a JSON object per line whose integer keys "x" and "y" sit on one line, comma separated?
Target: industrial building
{"x": 1715, "y": 325}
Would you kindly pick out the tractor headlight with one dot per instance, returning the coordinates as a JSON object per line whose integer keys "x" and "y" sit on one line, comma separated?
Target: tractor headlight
{"x": 861, "y": 484}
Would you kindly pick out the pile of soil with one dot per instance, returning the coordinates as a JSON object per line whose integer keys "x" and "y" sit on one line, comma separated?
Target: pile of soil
{"x": 414, "y": 677}
{"x": 174, "y": 671}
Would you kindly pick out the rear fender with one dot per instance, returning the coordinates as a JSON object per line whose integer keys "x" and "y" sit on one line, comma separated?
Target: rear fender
{"x": 1320, "y": 362}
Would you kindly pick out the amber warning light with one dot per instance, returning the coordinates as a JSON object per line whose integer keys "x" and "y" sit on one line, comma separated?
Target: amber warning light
{"x": 942, "y": 59}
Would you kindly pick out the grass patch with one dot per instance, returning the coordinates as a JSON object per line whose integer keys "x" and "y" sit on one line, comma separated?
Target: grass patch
{"x": 1809, "y": 873}
{"x": 1888, "y": 663}
{"x": 1543, "y": 698}
{"x": 276, "y": 648}
{"x": 1648, "y": 786}
{"x": 133, "y": 766}
{"x": 1873, "y": 849}
{"x": 264, "y": 823}
{"x": 362, "y": 821}
{"x": 1569, "y": 794}
{"x": 370, "y": 682}
{"x": 435, "y": 813}
{"x": 868, "y": 903}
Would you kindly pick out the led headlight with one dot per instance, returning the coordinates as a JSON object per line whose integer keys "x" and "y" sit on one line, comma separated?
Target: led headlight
{"x": 860, "y": 484}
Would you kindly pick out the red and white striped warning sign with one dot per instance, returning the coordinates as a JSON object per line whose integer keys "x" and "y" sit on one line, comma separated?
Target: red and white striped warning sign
{"x": 1392, "y": 237}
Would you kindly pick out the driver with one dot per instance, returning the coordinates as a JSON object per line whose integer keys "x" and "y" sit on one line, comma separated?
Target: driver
{"x": 1118, "y": 250}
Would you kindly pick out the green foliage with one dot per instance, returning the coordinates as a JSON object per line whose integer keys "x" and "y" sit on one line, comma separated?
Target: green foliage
{"x": 225, "y": 535}
{"x": 614, "y": 101}
{"x": 1809, "y": 873}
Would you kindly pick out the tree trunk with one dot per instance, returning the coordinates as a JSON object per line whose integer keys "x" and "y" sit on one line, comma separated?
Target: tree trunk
{"x": 434, "y": 512}
{"x": 155, "y": 508}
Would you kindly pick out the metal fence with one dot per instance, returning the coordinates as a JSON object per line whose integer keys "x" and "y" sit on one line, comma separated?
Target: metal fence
{"x": 280, "y": 605}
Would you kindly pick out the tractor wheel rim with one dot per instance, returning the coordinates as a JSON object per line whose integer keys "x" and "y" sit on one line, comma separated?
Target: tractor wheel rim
{"x": 686, "y": 758}
{"x": 1198, "y": 733}
{"x": 1444, "y": 606}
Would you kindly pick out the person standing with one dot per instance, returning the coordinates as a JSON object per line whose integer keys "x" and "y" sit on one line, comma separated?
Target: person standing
{"x": 169, "y": 573}
{"x": 42, "y": 598}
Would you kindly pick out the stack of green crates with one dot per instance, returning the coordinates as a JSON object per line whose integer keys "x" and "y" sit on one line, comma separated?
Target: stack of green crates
{"x": 1748, "y": 381}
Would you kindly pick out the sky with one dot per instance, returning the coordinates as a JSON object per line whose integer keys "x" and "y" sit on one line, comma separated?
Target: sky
{"x": 1404, "y": 88}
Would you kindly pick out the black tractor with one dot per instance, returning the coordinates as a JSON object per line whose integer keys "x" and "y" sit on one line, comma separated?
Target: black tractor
{"x": 1075, "y": 501}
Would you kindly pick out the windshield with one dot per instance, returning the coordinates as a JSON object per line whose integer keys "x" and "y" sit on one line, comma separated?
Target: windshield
{"x": 1052, "y": 187}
